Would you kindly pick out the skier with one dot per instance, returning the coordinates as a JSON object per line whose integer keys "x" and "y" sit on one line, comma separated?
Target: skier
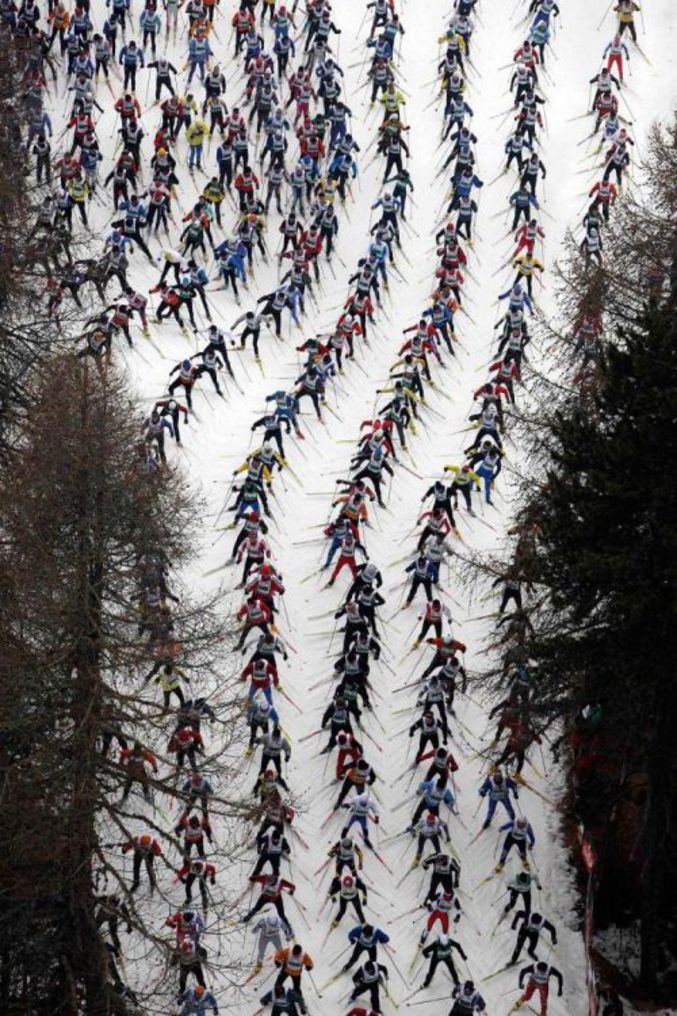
{"x": 539, "y": 975}
{"x": 467, "y": 1000}
{"x": 428, "y": 830}
{"x": 365, "y": 938}
{"x": 370, "y": 978}
{"x": 446, "y": 872}
{"x": 202, "y": 871}
{"x": 291, "y": 962}
{"x": 145, "y": 849}
{"x": 531, "y": 926}
{"x": 272, "y": 847}
{"x": 197, "y": 1001}
{"x": 269, "y": 930}
{"x": 520, "y": 889}
{"x": 272, "y": 888}
{"x": 441, "y": 951}
{"x": 498, "y": 790}
{"x": 518, "y": 834}
{"x": 361, "y": 809}
{"x": 347, "y": 888}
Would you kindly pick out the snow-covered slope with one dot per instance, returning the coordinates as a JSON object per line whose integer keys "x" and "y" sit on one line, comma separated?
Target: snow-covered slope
{"x": 218, "y": 438}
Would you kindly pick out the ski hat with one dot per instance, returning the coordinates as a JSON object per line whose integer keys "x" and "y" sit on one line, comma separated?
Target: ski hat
{"x": 347, "y": 880}
{"x": 273, "y": 920}
{"x": 188, "y": 916}
{"x": 145, "y": 839}
{"x": 199, "y": 990}
{"x": 346, "y": 842}
{"x": 361, "y": 799}
{"x": 444, "y": 940}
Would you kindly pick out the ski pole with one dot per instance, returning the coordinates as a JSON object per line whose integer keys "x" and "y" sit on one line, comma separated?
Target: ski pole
{"x": 427, "y": 1001}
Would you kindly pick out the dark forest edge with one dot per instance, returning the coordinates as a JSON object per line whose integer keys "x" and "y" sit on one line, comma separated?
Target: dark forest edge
{"x": 588, "y": 664}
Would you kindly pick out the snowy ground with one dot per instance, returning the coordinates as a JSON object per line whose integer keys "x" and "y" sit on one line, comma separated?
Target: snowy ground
{"x": 218, "y": 438}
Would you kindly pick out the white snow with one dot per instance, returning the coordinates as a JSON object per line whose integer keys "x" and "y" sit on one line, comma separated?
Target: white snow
{"x": 217, "y": 439}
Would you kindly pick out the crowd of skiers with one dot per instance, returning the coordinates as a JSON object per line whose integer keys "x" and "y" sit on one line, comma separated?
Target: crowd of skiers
{"x": 383, "y": 449}
{"x": 352, "y": 698}
{"x": 278, "y": 157}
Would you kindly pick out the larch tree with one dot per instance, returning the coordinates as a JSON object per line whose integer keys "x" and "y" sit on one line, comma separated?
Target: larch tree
{"x": 85, "y": 519}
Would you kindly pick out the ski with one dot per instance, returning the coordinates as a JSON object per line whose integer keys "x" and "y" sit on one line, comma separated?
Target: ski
{"x": 496, "y": 973}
